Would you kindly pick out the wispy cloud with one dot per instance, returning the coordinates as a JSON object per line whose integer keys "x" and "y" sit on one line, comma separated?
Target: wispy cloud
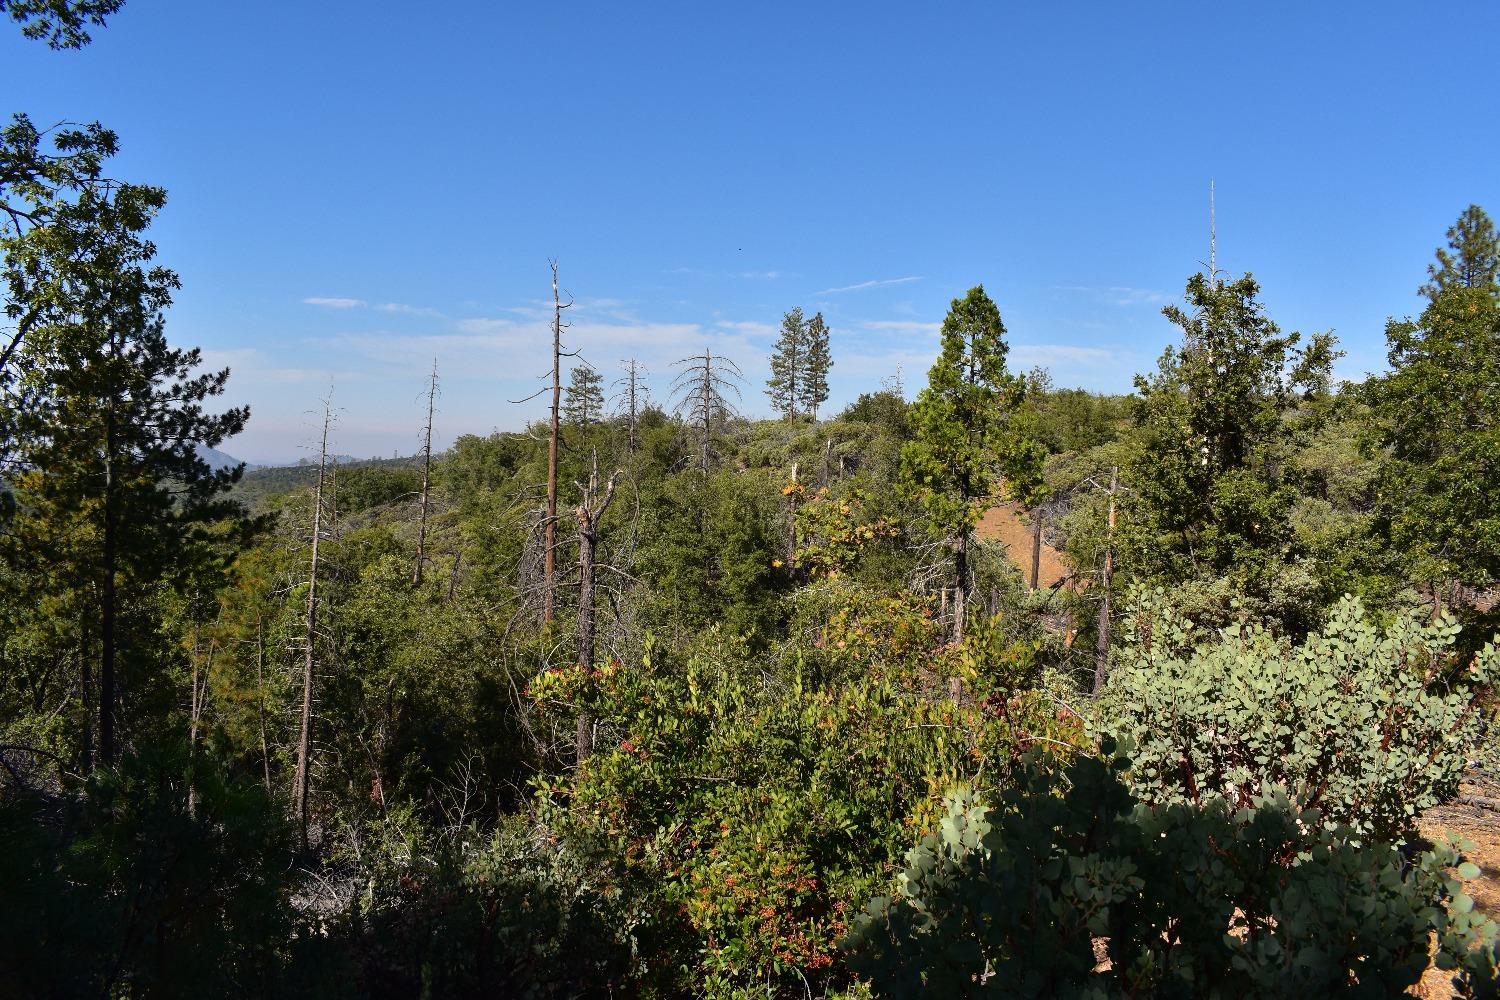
{"x": 331, "y": 302}
{"x": 902, "y": 325}
{"x": 760, "y": 275}
{"x": 748, "y": 326}
{"x": 1119, "y": 295}
{"x": 1061, "y": 354}
{"x": 861, "y": 286}
{"x": 401, "y": 308}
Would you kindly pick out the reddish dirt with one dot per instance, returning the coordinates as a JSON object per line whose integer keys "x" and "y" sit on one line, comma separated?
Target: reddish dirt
{"x": 1481, "y": 827}
{"x": 1007, "y": 525}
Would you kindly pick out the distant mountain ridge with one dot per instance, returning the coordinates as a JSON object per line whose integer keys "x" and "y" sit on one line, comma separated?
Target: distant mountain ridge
{"x": 217, "y": 459}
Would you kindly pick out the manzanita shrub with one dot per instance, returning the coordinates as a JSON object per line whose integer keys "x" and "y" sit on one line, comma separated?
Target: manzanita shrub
{"x": 747, "y": 817}
{"x": 1068, "y": 886}
{"x": 1368, "y": 725}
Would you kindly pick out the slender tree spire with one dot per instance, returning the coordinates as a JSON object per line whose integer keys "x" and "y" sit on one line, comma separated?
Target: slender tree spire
{"x": 1213, "y": 238}
{"x": 432, "y": 388}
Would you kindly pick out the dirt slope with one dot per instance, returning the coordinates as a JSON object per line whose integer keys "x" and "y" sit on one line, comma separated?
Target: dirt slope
{"x": 1007, "y": 525}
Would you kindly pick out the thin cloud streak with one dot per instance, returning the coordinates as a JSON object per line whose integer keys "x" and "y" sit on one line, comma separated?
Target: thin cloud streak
{"x": 868, "y": 284}
{"x": 333, "y": 302}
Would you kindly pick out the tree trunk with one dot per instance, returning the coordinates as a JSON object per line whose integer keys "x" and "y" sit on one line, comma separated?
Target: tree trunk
{"x": 590, "y": 512}
{"x": 1101, "y": 664}
{"x": 549, "y": 554}
{"x": 1036, "y": 548}
{"x": 107, "y": 620}
{"x": 301, "y": 781}
{"x": 260, "y": 687}
{"x": 416, "y": 577}
{"x": 961, "y": 585}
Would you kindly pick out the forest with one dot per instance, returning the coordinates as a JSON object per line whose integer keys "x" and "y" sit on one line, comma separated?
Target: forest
{"x": 980, "y": 686}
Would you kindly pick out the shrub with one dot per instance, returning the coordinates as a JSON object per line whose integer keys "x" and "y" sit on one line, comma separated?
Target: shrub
{"x": 463, "y": 914}
{"x": 1073, "y": 889}
{"x": 1369, "y": 726}
{"x": 749, "y": 816}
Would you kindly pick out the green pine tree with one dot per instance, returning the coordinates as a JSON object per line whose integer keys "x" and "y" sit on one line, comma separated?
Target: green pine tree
{"x": 1438, "y": 413}
{"x": 1471, "y": 259}
{"x": 1212, "y": 486}
{"x": 964, "y": 439}
{"x": 817, "y": 361}
{"x": 114, "y": 499}
{"x": 789, "y": 365}
{"x": 583, "y": 403}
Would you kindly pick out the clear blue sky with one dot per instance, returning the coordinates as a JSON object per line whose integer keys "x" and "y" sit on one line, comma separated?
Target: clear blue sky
{"x": 356, "y": 187}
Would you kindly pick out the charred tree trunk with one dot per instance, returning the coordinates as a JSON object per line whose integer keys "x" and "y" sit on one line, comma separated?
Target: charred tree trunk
{"x": 1036, "y": 548}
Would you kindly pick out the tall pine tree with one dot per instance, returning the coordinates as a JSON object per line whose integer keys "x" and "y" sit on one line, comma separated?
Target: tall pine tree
{"x": 1213, "y": 483}
{"x": 817, "y": 362}
{"x": 108, "y": 422}
{"x": 789, "y": 365}
{"x": 583, "y": 404}
{"x": 964, "y": 439}
{"x": 1438, "y": 413}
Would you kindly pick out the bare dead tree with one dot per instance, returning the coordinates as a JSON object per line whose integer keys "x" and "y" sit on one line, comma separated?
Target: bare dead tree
{"x": 632, "y": 394}
{"x": 260, "y": 689}
{"x": 590, "y": 512}
{"x": 304, "y": 739}
{"x": 701, "y": 392}
{"x": 549, "y": 521}
{"x": 1106, "y": 579}
{"x": 432, "y": 389}
{"x": 197, "y": 701}
{"x": 549, "y": 595}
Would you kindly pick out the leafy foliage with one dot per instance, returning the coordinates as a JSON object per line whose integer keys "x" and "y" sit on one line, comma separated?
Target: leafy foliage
{"x": 1067, "y": 887}
{"x": 1367, "y": 725}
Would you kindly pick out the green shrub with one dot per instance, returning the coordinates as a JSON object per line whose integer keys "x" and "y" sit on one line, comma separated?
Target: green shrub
{"x": 1370, "y": 726}
{"x": 748, "y": 816}
{"x": 1073, "y": 889}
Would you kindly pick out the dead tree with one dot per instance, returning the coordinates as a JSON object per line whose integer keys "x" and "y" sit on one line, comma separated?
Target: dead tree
{"x": 549, "y": 520}
{"x": 304, "y": 739}
{"x": 432, "y": 388}
{"x": 1106, "y": 578}
{"x": 590, "y": 512}
{"x": 700, "y": 391}
{"x": 633, "y": 395}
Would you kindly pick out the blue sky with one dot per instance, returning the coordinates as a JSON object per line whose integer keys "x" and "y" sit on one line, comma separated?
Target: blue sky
{"x": 356, "y": 187}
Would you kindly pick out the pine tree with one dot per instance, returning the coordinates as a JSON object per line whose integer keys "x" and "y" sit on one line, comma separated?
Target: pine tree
{"x": 1212, "y": 483}
{"x": 1439, "y": 416}
{"x": 1471, "y": 259}
{"x": 817, "y": 362}
{"x": 107, "y": 426}
{"x": 584, "y": 405}
{"x": 963, "y": 438}
{"x": 788, "y": 365}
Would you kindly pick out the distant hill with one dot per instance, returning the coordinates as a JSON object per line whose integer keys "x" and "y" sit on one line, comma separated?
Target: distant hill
{"x": 260, "y": 483}
{"x": 217, "y": 459}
